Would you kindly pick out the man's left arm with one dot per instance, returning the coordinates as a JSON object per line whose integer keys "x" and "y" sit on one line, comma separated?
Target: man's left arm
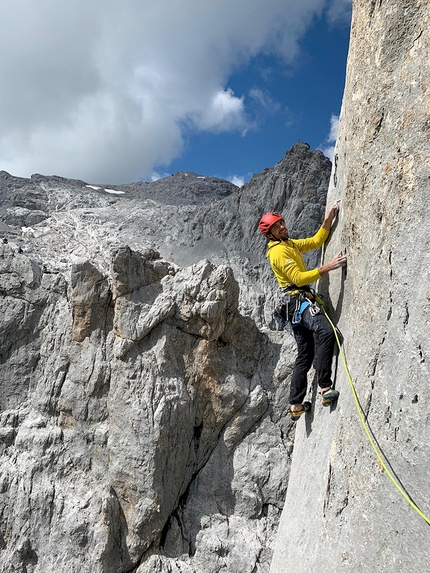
{"x": 312, "y": 243}
{"x": 321, "y": 235}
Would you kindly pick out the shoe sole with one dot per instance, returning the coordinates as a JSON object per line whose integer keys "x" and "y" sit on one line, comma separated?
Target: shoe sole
{"x": 331, "y": 397}
{"x": 299, "y": 414}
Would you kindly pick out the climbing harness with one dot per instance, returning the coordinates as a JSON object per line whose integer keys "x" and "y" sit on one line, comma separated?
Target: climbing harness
{"x": 365, "y": 424}
{"x": 305, "y": 298}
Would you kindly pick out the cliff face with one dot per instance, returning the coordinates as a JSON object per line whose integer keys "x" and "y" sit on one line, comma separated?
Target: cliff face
{"x": 143, "y": 422}
{"x": 342, "y": 512}
{"x": 126, "y": 401}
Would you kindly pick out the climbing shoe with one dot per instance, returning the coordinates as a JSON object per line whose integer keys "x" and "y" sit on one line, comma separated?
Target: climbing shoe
{"x": 328, "y": 396}
{"x": 295, "y": 415}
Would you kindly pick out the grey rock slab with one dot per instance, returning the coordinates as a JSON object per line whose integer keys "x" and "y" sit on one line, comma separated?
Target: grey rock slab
{"x": 342, "y": 511}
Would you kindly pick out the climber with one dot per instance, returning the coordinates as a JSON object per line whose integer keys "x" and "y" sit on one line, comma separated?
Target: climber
{"x": 310, "y": 327}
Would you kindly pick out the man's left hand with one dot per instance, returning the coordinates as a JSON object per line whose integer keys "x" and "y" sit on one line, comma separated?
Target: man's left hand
{"x": 331, "y": 215}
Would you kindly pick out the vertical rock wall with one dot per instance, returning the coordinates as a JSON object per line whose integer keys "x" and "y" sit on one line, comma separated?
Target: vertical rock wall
{"x": 342, "y": 512}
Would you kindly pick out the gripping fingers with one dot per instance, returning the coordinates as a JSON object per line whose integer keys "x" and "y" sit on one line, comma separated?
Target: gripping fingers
{"x": 335, "y": 206}
{"x": 339, "y": 260}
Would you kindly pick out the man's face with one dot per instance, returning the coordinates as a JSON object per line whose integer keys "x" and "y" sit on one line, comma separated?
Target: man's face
{"x": 279, "y": 230}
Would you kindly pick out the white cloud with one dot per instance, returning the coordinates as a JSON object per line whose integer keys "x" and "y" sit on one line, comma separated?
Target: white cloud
{"x": 329, "y": 146}
{"x": 155, "y": 175}
{"x": 340, "y": 11}
{"x": 334, "y": 126}
{"x": 225, "y": 112}
{"x": 265, "y": 100}
{"x": 236, "y": 180}
{"x": 102, "y": 90}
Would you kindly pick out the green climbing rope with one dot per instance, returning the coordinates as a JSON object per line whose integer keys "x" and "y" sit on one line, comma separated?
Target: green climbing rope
{"x": 366, "y": 428}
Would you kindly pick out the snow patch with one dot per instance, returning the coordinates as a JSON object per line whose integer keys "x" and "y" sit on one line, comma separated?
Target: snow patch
{"x": 114, "y": 192}
{"x": 110, "y": 191}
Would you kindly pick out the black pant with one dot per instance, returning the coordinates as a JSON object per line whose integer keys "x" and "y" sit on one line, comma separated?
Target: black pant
{"x": 313, "y": 331}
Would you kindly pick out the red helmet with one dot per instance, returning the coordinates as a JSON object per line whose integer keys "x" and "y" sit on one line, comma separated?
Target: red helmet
{"x": 268, "y": 220}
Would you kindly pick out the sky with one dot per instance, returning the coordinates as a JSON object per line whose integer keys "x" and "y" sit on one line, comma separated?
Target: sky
{"x": 114, "y": 91}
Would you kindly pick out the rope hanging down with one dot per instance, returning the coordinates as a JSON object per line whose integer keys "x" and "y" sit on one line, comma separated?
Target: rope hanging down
{"x": 366, "y": 428}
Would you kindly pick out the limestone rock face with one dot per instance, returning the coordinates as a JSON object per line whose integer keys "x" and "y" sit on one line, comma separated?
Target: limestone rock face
{"x": 342, "y": 512}
{"x": 126, "y": 400}
{"x": 143, "y": 422}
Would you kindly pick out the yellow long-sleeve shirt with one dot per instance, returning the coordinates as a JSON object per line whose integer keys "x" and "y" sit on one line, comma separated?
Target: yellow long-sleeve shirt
{"x": 287, "y": 262}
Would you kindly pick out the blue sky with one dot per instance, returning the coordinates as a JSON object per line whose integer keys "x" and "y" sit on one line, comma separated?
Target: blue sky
{"x": 303, "y": 97}
{"x": 113, "y": 91}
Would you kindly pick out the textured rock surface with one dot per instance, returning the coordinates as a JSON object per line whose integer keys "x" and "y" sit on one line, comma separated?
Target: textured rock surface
{"x": 122, "y": 402}
{"x": 342, "y": 513}
{"x": 143, "y": 421}
{"x": 185, "y": 217}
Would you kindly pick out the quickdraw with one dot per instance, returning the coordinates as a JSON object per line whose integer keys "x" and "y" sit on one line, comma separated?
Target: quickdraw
{"x": 300, "y": 307}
